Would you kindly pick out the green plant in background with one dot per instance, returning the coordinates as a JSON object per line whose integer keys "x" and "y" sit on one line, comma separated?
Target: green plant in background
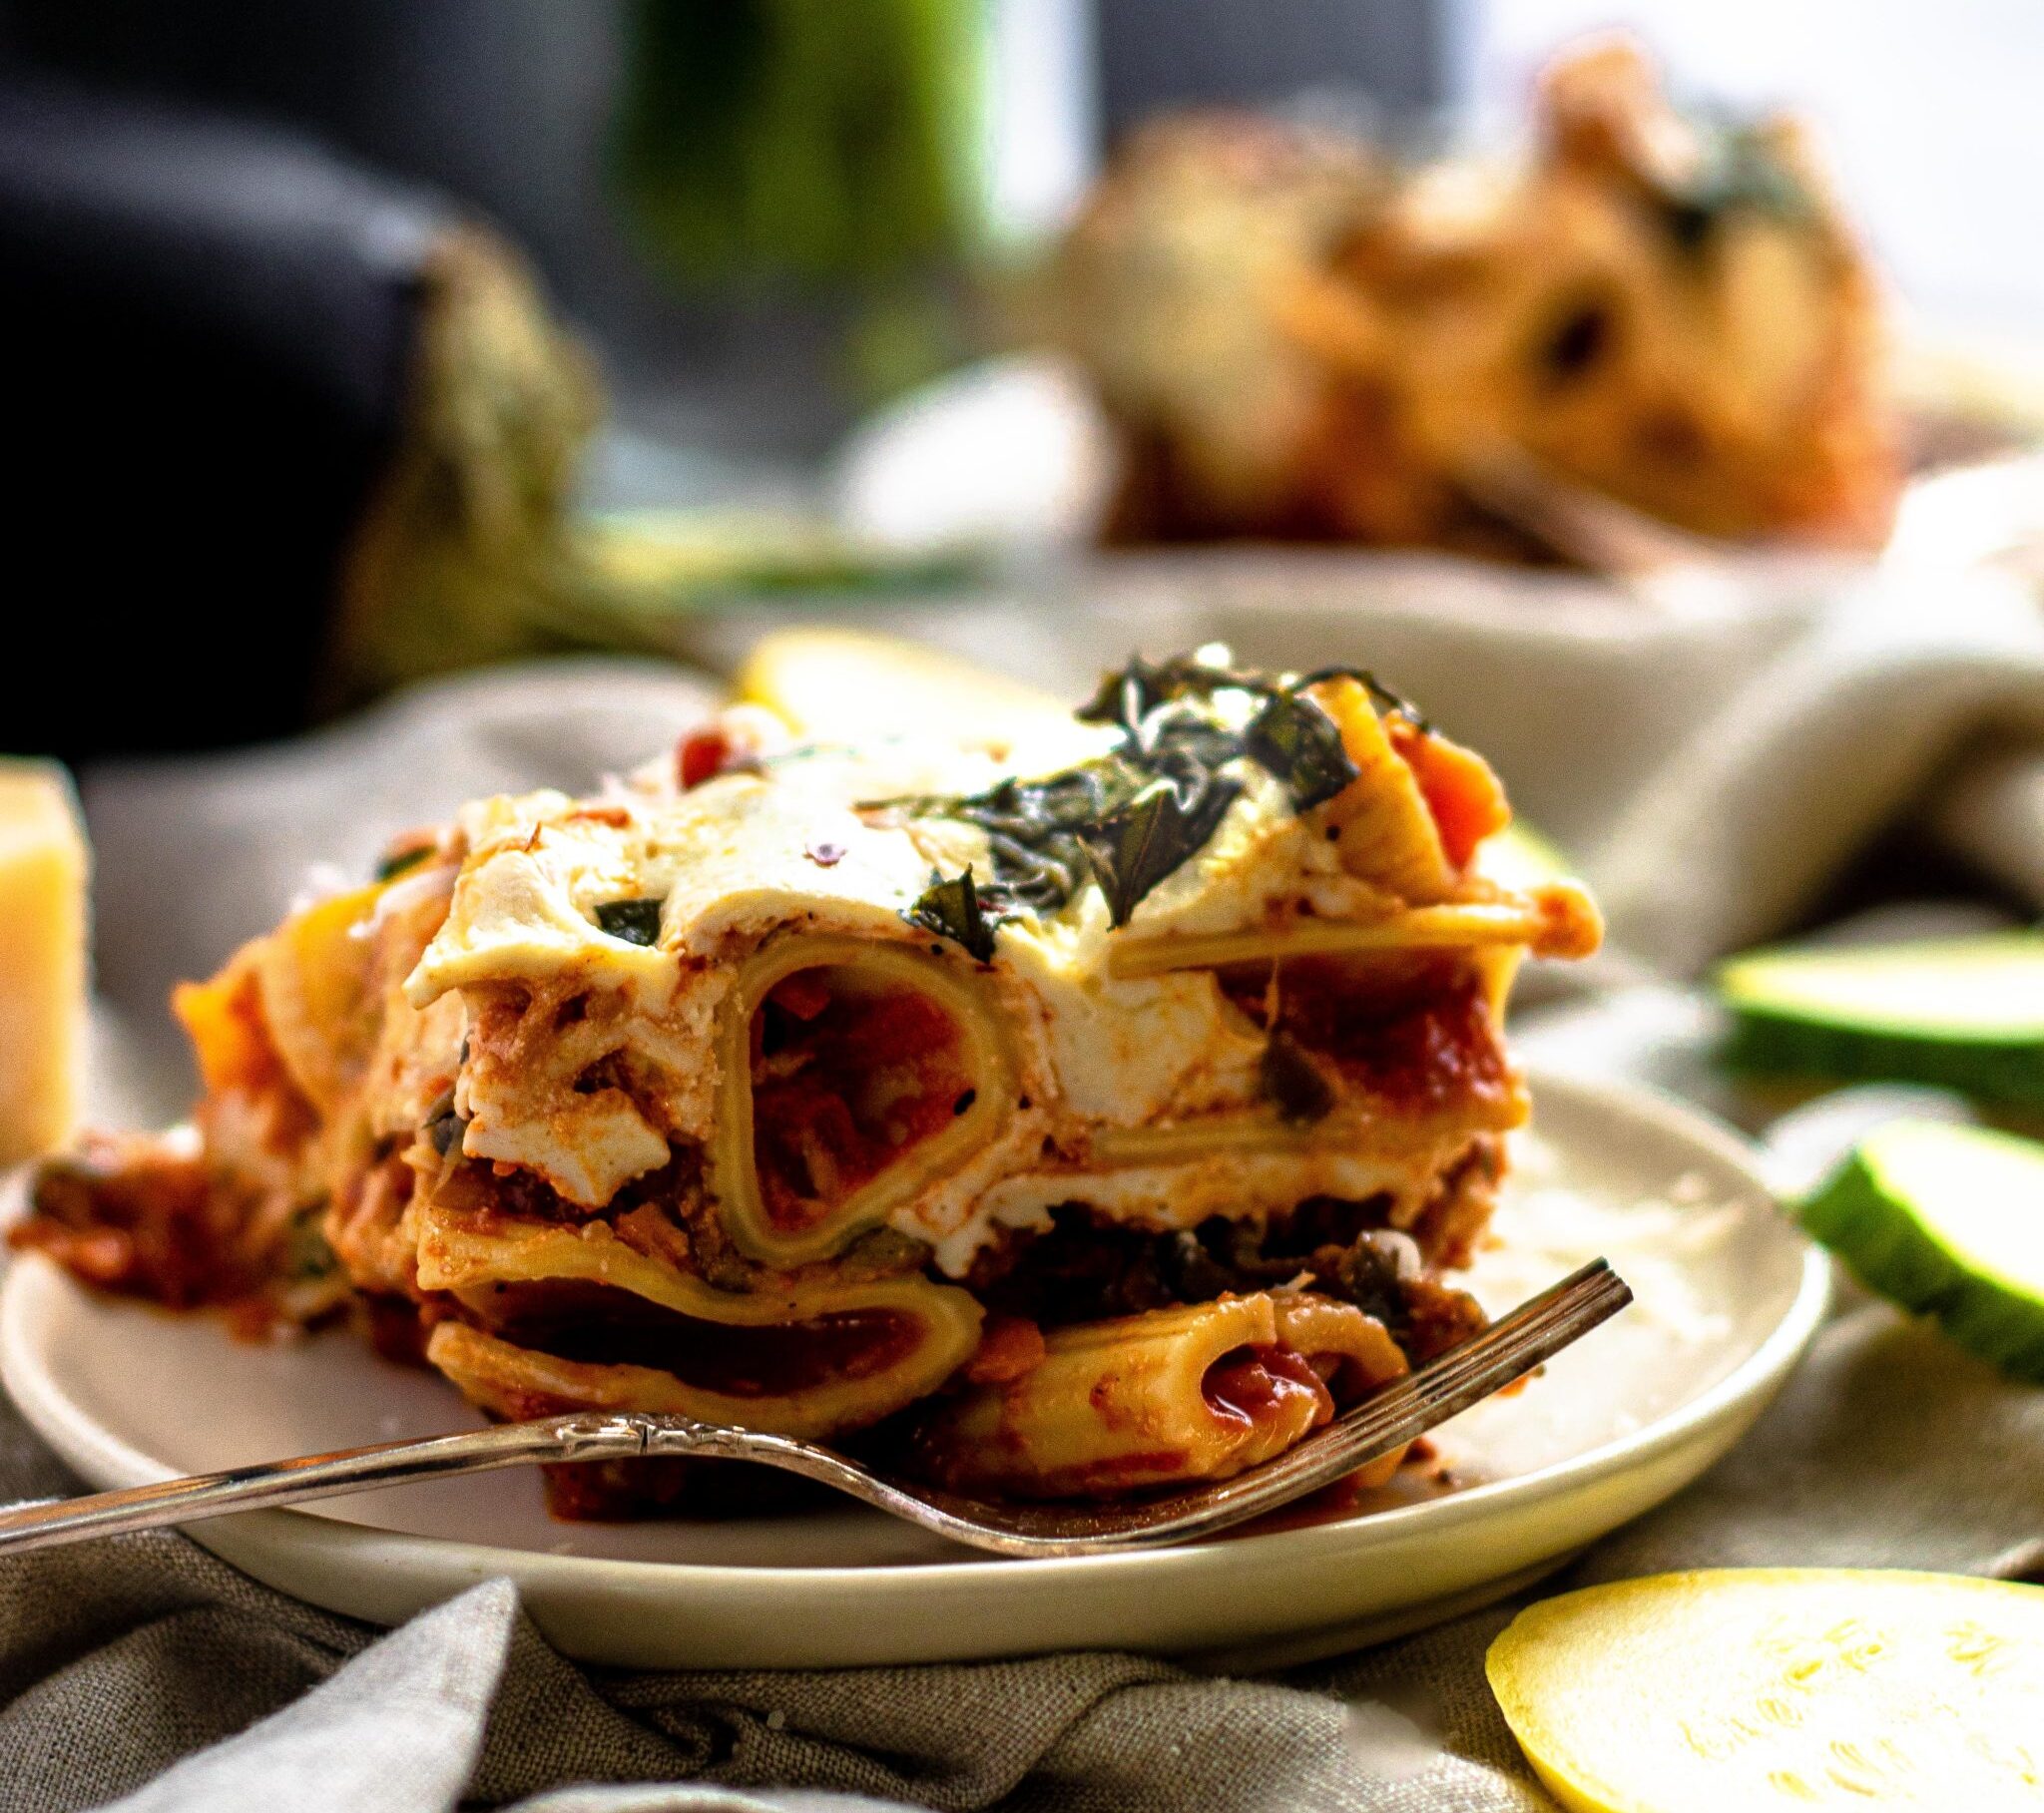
{"x": 803, "y": 138}
{"x": 834, "y": 150}
{"x": 836, "y": 147}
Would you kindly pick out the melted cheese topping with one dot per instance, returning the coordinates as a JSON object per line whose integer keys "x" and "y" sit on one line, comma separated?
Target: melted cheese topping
{"x": 806, "y": 843}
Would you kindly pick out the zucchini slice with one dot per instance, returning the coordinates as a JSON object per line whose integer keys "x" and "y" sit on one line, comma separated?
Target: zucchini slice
{"x": 1959, "y": 1012}
{"x": 1948, "y": 1220}
{"x": 1790, "y": 1687}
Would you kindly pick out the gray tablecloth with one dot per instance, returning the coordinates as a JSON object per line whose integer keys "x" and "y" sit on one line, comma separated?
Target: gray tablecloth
{"x": 120, "y": 1658}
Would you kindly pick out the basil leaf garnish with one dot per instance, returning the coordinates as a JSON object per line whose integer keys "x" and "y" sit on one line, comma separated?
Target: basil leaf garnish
{"x": 1380, "y": 694}
{"x": 1132, "y": 694}
{"x": 1298, "y": 742}
{"x": 307, "y": 1256}
{"x": 634, "y": 921}
{"x": 951, "y": 909}
{"x": 443, "y": 1127}
{"x": 1132, "y": 817}
{"x": 1151, "y": 837}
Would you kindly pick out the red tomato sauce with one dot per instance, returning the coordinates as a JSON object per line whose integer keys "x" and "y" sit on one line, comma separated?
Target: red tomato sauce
{"x": 1253, "y": 1384}
{"x": 1415, "y": 1033}
{"x": 844, "y": 1082}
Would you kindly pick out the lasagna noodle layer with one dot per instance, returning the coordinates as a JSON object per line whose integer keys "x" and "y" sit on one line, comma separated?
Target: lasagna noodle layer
{"x": 1163, "y": 1172}
{"x": 518, "y": 1382}
{"x": 927, "y": 1330}
{"x": 1555, "y": 925}
{"x": 988, "y": 1066}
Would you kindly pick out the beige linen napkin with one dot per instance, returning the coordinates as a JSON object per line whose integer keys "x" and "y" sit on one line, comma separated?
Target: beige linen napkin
{"x": 1926, "y": 697}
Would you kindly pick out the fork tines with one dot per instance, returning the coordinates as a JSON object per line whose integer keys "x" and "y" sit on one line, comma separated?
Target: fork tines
{"x": 1466, "y": 1374}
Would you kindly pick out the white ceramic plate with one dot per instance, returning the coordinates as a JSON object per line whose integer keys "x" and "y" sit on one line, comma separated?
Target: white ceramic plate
{"x": 1728, "y": 1294}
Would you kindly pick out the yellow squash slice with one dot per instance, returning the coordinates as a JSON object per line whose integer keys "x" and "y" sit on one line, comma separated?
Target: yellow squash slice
{"x": 1756, "y": 1688}
{"x": 832, "y": 684}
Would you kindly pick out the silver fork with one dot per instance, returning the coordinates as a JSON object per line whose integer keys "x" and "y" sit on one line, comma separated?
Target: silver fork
{"x": 1507, "y": 1350}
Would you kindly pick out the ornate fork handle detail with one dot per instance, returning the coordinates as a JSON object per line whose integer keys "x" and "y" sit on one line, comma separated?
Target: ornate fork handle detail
{"x": 577, "y": 1436}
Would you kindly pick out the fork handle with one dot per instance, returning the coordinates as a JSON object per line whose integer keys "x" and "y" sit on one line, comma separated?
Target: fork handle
{"x": 584, "y": 1437}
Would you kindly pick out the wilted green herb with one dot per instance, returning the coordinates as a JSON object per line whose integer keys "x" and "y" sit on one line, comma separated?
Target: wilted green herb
{"x": 1300, "y": 745}
{"x": 951, "y": 909}
{"x": 1151, "y": 837}
{"x": 1740, "y": 172}
{"x": 1380, "y": 694}
{"x": 399, "y": 861}
{"x": 1033, "y": 830}
{"x": 1129, "y": 697}
{"x": 307, "y": 1256}
{"x": 1127, "y": 819}
{"x": 1294, "y": 1081}
{"x": 1134, "y": 816}
{"x": 635, "y": 921}
{"x": 443, "y": 1127}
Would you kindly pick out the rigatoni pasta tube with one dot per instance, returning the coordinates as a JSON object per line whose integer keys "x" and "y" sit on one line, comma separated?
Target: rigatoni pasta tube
{"x": 1198, "y": 1392}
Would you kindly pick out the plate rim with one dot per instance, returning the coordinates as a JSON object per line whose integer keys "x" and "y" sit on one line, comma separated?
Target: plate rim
{"x": 1757, "y": 1377}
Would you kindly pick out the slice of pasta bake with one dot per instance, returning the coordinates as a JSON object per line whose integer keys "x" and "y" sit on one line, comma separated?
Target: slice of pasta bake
{"x": 1064, "y": 1120}
{"x": 1296, "y": 339}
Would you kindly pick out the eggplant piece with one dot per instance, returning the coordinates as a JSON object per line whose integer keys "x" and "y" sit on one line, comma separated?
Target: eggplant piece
{"x": 287, "y": 430}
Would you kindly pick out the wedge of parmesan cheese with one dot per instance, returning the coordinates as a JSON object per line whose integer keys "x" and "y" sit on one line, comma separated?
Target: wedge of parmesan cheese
{"x": 41, "y": 959}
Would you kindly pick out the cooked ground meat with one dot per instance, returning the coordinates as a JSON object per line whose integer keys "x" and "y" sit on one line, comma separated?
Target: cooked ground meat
{"x": 1083, "y": 1268}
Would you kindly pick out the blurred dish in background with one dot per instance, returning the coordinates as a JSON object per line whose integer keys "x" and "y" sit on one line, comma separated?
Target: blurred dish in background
{"x": 364, "y": 428}
{"x": 1297, "y": 341}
